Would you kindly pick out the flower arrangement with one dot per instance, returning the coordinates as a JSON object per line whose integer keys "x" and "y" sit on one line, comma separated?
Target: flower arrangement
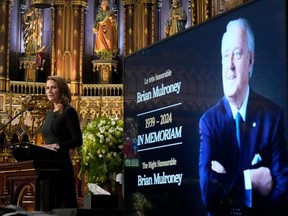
{"x": 102, "y": 150}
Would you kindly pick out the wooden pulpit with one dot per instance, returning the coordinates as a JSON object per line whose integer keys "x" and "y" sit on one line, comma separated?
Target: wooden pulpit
{"x": 28, "y": 182}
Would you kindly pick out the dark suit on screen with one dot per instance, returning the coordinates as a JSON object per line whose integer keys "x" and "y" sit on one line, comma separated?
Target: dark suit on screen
{"x": 262, "y": 134}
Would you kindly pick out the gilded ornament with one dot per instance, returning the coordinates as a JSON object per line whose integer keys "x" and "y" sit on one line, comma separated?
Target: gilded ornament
{"x": 3, "y": 29}
{"x": 2, "y": 49}
{"x": 75, "y": 33}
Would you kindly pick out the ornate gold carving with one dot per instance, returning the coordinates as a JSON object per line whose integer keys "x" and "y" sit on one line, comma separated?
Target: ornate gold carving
{"x": 38, "y": 102}
{"x": 60, "y": 12}
{"x": 59, "y": 32}
{"x": 206, "y": 9}
{"x": 3, "y": 8}
{"x": 111, "y": 64}
{"x": 58, "y": 2}
{"x": 2, "y": 49}
{"x": 130, "y": 11}
{"x": 40, "y": 3}
{"x": 22, "y": 193}
{"x": 80, "y": 3}
{"x": 28, "y": 122}
{"x": 90, "y": 108}
{"x": 128, "y": 2}
{"x": 148, "y": 1}
{"x": 75, "y": 33}
{"x": 76, "y": 13}
{"x": 3, "y": 29}
{"x": 59, "y": 53}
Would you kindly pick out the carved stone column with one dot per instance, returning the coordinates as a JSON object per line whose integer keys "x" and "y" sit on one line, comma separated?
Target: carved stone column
{"x": 78, "y": 11}
{"x": 5, "y": 11}
{"x": 149, "y": 23}
{"x": 128, "y": 16}
{"x": 67, "y": 36}
{"x": 57, "y": 36}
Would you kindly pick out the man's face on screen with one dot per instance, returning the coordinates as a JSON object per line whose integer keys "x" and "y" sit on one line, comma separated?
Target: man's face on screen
{"x": 236, "y": 64}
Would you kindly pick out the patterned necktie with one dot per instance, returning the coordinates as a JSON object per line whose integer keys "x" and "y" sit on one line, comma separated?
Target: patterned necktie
{"x": 237, "y": 120}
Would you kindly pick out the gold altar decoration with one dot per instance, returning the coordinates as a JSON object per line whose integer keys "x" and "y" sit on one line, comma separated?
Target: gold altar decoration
{"x": 31, "y": 64}
{"x": 41, "y": 3}
{"x": 104, "y": 69}
{"x": 33, "y": 59}
{"x": 33, "y": 108}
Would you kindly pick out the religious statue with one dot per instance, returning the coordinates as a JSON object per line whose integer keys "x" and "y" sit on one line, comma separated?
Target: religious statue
{"x": 32, "y": 36}
{"x": 177, "y": 19}
{"x": 105, "y": 28}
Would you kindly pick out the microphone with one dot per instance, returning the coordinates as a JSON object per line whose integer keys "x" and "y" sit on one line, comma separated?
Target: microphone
{"x": 22, "y": 111}
{"x": 29, "y": 109}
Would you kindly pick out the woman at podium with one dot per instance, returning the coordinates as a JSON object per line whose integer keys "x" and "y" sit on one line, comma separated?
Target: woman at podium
{"x": 61, "y": 132}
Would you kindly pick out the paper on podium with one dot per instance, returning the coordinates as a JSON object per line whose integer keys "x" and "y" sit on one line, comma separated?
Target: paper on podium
{"x": 96, "y": 189}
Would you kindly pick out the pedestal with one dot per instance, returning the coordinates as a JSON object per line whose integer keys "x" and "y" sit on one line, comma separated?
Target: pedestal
{"x": 28, "y": 63}
{"x": 28, "y": 184}
{"x": 100, "y": 202}
{"x": 104, "y": 70}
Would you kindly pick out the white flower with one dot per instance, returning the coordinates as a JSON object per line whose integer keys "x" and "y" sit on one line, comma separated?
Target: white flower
{"x": 103, "y": 141}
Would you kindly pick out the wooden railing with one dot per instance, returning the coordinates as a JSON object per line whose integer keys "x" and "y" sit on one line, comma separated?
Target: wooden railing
{"x": 102, "y": 90}
{"x": 18, "y": 87}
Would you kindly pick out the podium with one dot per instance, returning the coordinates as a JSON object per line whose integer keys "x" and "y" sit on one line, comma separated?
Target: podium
{"x": 28, "y": 151}
{"x": 28, "y": 182}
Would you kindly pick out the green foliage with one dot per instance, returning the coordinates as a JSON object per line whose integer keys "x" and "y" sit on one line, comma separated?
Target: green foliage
{"x": 102, "y": 150}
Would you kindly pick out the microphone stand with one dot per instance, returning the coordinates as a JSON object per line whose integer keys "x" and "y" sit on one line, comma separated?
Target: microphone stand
{"x": 22, "y": 111}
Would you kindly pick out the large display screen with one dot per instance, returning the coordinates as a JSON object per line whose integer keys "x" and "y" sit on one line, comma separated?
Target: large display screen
{"x": 167, "y": 88}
